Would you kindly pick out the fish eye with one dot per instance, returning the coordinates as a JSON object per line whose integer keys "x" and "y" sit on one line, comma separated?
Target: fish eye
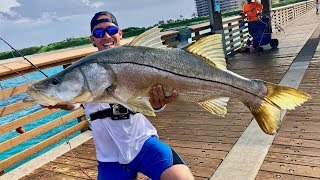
{"x": 54, "y": 81}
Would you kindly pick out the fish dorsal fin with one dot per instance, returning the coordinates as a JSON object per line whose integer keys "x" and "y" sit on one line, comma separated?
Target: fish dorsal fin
{"x": 150, "y": 38}
{"x": 141, "y": 105}
{"x": 210, "y": 49}
{"x": 216, "y": 106}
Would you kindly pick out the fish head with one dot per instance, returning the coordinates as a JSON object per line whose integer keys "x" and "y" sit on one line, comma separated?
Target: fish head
{"x": 76, "y": 84}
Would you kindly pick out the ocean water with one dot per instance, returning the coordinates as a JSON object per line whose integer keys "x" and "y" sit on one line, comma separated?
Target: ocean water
{"x": 20, "y": 80}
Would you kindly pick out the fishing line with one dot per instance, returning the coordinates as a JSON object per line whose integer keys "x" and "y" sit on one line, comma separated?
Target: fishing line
{"x": 7, "y": 101}
{"x": 23, "y": 57}
{"x": 72, "y": 153}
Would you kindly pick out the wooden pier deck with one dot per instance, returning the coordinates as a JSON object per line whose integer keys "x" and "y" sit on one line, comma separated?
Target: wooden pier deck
{"x": 204, "y": 140}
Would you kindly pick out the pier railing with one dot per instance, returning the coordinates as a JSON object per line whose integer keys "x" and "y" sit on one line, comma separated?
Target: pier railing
{"x": 234, "y": 36}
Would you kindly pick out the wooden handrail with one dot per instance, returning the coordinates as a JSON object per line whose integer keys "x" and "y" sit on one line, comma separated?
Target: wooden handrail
{"x": 26, "y": 120}
{"x": 39, "y": 130}
{"x": 42, "y": 145}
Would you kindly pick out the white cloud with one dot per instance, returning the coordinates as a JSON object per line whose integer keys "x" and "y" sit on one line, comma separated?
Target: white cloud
{"x": 92, "y": 4}
{"x": 97, "y": 4}
{"x": 45, "y": 18}
{"x": 6, "y": 6}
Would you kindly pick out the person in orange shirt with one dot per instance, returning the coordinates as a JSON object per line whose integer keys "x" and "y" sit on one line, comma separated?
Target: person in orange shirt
{"x": 252, "y": 10}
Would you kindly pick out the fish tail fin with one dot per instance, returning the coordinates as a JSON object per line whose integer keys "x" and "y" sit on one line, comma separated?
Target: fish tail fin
{"x": 277, "y": 98}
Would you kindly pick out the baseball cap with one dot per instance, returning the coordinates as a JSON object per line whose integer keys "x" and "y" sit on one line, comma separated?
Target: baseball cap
{"x": 95, "y": 21}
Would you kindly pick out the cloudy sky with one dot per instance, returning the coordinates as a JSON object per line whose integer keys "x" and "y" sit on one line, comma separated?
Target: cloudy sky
{"x": 25, "y": 23}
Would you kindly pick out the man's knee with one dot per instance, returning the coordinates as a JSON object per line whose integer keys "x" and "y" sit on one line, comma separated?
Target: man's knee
{"x": 177, "y": 172}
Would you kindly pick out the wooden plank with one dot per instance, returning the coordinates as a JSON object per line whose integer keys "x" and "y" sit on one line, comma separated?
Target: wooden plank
{"x": 205, "y": 153}
{"x": 15, "y": 107}
{"x": 311, "y": 127}
{"x": 44, "y": 144}
{"x": 201, "y": 161}
{"x": 191, "y": 129}
{"x": 73, "y": 160}
{"x": 246, "y": 30}
{"x": 12, "y": 72}
{"x": 267, "y": 175}
{"x": 39, "y": 130}
{"x": 297, "y": 142}
{"x": 234, "y": 48}
{"x": 292, "y": 169}
{"x": 204, "y": 121}
{"x": 13, "y": 91}
{"x": 232, "y": 26}
{"x": 173, "y": 44}
{"x": 199, "y": 133}
{"x": 231, "y": 19}
{"x": 199, "y": 27}
{"x": 73, "y": 171}
{"x": 294, "y": 159}
{"x": 299, "y": 135}
{"x": 48, "y": 174}
{"x": 201, "y": 171}
{"x": 245, "y": 34}
{"x": 205, "y": 139}
{"x": 169, "y": 34}
{"x": 235, "y": 42}
{"x": 26, "y": 119}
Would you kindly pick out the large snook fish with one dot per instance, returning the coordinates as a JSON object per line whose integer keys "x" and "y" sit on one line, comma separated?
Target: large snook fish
{"x": 198, "y": 72}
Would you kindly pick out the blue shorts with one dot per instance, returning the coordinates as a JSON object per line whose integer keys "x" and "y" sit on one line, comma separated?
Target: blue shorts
{"x": 153, "y": 159}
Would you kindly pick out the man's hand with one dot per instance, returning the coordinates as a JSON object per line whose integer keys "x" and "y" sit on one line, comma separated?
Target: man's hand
{"x": 158, "y": 99}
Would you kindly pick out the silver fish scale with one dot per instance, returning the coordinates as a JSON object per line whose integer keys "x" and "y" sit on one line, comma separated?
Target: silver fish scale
{"x": 173, "y": 61}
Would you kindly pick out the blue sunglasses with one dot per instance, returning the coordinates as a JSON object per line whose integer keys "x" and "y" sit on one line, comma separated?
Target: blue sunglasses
{"x": 99, "y": 32}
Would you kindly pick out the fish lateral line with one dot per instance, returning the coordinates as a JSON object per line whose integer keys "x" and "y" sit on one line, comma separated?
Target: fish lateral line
{"x": 191, "y": 77}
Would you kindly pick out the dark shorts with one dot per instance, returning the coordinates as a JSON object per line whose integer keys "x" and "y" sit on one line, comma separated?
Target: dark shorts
{"x": 153, "y": 159}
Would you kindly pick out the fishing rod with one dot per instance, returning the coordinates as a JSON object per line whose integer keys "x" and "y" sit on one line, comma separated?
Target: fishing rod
{"x": 23, "y": 57}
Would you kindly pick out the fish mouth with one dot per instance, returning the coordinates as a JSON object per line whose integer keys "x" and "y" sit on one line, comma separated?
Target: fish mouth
{"x": 40, "y": 96}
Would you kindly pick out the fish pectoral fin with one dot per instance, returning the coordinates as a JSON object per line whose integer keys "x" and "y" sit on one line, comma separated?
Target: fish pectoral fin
{"x": 216, "y": 106}
{"x": 141, "y": 105}
{"x": 150, "y": 38}
{"x": 210, "y": 48}
{"x": 84, "y": 98}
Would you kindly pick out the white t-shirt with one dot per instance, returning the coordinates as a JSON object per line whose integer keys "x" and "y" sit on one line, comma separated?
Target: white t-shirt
{"x": 118, "y": 140}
